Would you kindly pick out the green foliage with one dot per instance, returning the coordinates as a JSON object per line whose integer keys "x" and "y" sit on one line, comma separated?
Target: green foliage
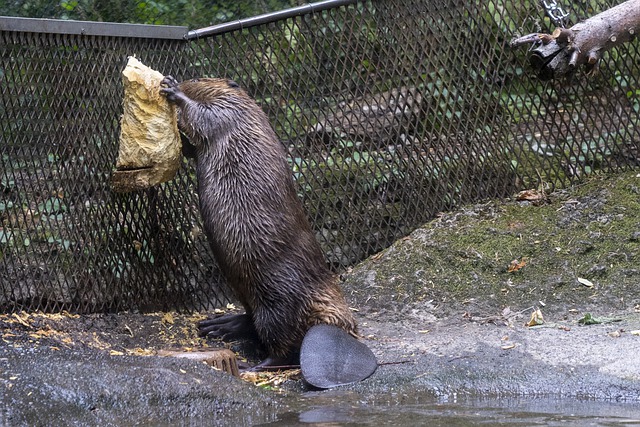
{"x": 193, "y": 14}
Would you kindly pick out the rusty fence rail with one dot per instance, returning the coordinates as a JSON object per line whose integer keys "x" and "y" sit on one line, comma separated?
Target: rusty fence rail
{"x": 392, "y": 111}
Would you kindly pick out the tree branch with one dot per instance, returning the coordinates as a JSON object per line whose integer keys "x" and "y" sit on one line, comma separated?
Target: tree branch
{"x": 560, "y": 53}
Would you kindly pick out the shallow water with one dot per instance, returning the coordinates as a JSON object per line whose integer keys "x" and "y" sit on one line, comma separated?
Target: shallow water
{"x": 345, "y": 409}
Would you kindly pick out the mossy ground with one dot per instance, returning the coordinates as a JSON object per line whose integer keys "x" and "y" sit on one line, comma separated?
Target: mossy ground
{"x": 518, "y": 254}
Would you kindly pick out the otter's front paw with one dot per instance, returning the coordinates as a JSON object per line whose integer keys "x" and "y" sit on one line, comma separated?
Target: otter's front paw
{"x": 170, "y": 89}
{"x": 169, "y": 81}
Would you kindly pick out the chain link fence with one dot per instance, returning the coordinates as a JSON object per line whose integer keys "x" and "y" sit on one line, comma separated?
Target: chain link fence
{"x": 391, "y": 111}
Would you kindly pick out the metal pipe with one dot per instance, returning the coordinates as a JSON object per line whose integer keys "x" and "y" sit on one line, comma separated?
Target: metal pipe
{"x": 86, "y": 28}
{"x": 266, "y": 18}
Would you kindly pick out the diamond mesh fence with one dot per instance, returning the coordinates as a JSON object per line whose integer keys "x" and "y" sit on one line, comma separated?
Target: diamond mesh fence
{"x": 391, "y": 111}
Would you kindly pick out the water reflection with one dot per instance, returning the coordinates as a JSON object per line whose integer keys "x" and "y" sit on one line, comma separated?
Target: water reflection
{"x": 348, "y": 409}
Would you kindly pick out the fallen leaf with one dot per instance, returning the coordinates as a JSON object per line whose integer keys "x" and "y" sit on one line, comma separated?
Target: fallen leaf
{"x": 516, "y": 265}
{"x": 532, "y": 195}
{"x": 536, "y": 318}
{"x": 588, "y": 319}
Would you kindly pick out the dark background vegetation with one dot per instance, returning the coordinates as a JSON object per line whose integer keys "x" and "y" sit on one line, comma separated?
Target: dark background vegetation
{"x": 193, "y": 14}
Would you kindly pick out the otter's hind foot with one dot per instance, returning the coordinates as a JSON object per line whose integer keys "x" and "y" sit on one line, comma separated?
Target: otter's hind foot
{"x": 228, "y": 327}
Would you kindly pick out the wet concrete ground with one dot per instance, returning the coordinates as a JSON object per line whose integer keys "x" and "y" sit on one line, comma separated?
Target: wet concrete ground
{"x": 436, "y": 362}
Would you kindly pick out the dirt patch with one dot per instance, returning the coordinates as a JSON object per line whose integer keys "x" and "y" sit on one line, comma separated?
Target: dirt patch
{"x": 516, "y": 254}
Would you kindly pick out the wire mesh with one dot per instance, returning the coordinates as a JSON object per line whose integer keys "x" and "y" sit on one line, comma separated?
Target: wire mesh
{"x": 67, "y": 241}
{"x": 391, "y": 111}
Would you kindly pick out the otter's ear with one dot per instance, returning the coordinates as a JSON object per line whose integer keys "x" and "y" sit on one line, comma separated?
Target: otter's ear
{"x": 233, "y": 84}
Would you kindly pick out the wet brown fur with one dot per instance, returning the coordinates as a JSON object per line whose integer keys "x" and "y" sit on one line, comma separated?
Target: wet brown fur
{"x": 255, "y": 222}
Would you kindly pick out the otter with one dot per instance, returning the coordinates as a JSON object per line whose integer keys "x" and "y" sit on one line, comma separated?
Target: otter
{"x": 255, "y": 223}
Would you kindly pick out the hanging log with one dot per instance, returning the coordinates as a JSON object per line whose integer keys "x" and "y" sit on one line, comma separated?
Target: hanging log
{"x": 562, "y": 52}
{"x": 149, "y": 149}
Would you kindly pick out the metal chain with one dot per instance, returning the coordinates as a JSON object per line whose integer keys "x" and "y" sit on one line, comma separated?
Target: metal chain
{"x": 555, "y": 12}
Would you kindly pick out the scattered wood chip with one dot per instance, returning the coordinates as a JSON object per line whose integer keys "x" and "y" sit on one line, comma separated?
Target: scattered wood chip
{"x": 270, "y": 379}
{"x": 585, "y": 282}
{"x": 377, "y": 256}
{"x": 22, "y": 321}
{"x": 168, "y": 318}
{"x": 635, "y": 332}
